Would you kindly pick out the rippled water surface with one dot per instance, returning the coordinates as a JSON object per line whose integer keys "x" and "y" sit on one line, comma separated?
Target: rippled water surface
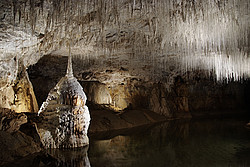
{"x": 177, "y": 143}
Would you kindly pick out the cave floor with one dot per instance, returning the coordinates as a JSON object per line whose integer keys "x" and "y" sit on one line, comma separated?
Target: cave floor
{"x": 104, "y": 120}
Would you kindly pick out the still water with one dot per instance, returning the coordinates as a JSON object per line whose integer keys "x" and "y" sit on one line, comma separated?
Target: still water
{"x": 177, "y": 143}
{"x": 184, "y": 143}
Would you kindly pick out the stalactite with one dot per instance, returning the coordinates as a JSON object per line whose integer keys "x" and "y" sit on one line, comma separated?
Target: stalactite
{"x": 14, "y": 10}
{"x": 193, "y": 30}
{"x": 32, "y": 16}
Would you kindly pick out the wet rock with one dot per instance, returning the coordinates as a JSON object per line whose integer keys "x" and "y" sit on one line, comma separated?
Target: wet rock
{"x": 11, "y": 121}
{"x": 116, "y": 98}
{"x": 13, "y": 141}
{"x": 104, "y": 120}
{"x": 158, "y": 102}
{"x": 16, "y": 145}
{"x": 30, "y": 128}
{"x": 170, "y": 103}
{"x": 65, "y": 117}
{"x": 206, "y": 98}
{"x": 174, "y": 99}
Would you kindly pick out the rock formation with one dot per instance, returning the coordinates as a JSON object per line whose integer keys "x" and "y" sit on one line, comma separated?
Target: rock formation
{"x": 16, "y": 92}
{"x": 119, "y": 42}
{"x": 128, "y": 55}
{"x": 185, "y": 96}
{"x": 14, "y": 143}
{"x": 248, "y": 125}
{"x": 65, "y": 117}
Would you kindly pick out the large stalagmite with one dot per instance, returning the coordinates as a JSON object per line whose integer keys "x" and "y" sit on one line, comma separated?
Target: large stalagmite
{"x": 65, "y": 117}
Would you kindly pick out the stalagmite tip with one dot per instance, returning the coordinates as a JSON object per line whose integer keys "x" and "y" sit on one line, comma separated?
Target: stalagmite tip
{"x": 69, "y": 72}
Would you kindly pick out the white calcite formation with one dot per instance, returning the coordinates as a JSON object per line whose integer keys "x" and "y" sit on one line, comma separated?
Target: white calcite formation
{"x": 65, "y": 117}
{"x": 157, "y": 37}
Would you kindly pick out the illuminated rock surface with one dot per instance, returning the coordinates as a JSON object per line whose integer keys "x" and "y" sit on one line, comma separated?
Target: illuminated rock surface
{"x": 17, "y": 93}
{"x": 185, "y": 96}
{"x": 65, "y": 116}
{"x": 154, "y": 36}
{"x": 123, "y": 41}
{"x": 174, "y": 57}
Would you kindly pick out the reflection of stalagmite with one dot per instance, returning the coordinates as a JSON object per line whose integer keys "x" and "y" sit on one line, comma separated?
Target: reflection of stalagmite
{"x": 70, "y": 157}
{"x": 65, "y": 117}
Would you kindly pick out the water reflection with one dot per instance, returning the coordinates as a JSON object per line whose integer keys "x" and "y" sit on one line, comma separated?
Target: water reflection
{"x": 70, "y": 157}
{"x": 55, "y": 158}
{"x": 177, "y": 143}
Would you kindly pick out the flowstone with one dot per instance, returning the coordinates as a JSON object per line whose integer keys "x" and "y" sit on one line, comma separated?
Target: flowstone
{"x": 64, "y": 116}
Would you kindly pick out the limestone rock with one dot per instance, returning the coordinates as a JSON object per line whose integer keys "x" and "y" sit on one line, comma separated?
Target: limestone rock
{"x": 97, "y": 93}
{"x": 248, "y": 125}
{"x": 11, "y": 121}
{"x": 25, "y": 100}
{"x": 65, "y": 116}
{"x": 17, "y": 93}
{"x": 173, "y": 103}
{"x": 13, "y": 142}
{"x": 175, "y": 100}
{"x": 16, "y": 145}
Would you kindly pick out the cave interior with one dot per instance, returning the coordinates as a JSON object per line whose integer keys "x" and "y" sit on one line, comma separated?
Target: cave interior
{"x": 139, "y": 62}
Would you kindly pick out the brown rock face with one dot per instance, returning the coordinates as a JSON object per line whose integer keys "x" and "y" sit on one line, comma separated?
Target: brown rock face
{"x": 13, "y": 142}
{"x": 16, "y": 145}
{"x": 11, "y": 121}
{"x": 25, "y": 100}
{"x": 171, "y": 103}
{"x": 19, "y": 95}
{"x": 196, "y": 93}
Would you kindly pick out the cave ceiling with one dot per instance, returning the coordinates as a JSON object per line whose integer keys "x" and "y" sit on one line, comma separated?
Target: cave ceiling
{"x": 154, "y": 38}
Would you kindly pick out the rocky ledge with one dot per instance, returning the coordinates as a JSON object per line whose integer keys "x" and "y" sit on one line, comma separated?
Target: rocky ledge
{"x": 18, "y": 136}
{"x": 19, "y": 133}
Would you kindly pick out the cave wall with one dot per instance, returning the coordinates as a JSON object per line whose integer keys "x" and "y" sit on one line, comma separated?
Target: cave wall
{"x": 198, "y": 95}
{"x": 139, "y": 35}
{"x": 144, "y": 44}
{"x": 19, "y": 95}
{"x": 178, "y": 58}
